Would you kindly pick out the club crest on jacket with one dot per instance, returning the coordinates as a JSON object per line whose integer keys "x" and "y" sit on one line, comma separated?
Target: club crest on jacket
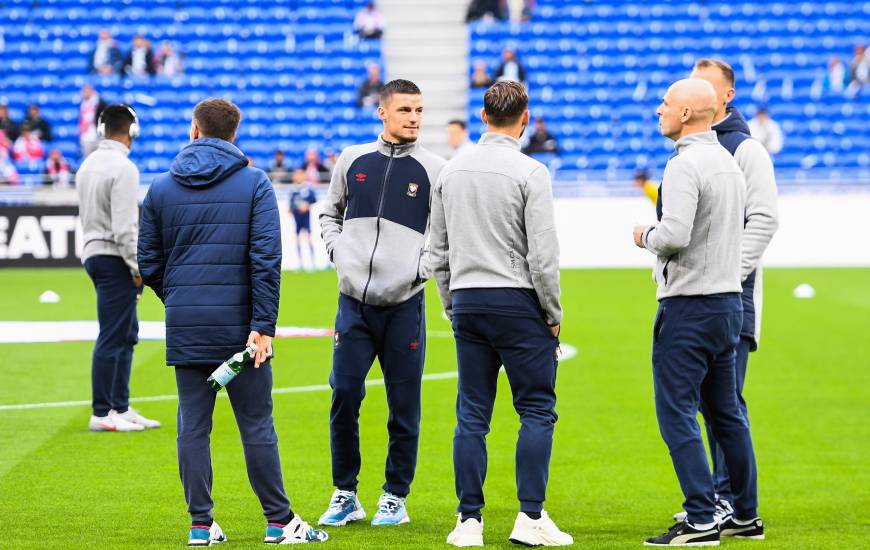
{"x": 412, "y": 189}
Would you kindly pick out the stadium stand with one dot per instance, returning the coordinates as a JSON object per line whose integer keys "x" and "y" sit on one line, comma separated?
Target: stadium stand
{"x": 292, "y": 66}
{"x": 597, "y": 71}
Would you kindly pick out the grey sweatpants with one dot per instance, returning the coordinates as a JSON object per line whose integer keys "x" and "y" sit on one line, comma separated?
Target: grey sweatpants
{"x": 250, "y": 394}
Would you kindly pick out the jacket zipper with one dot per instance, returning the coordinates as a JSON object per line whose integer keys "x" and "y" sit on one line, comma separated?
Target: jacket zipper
{"x": 378, "y": 221}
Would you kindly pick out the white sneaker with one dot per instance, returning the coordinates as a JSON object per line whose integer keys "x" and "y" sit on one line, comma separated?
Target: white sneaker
{"x": 132, "y": 415}
{"x": 538, "y": 532}
{"x": 681, "y": 516}
{"x": 200, "y": 535}
{"x": 466, "y": 533}
{"x": 113, "y": 423}
{"x": 295, "y": 532}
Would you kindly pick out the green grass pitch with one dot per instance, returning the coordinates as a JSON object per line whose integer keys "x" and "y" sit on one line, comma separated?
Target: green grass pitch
{"x": 611, "y": 482}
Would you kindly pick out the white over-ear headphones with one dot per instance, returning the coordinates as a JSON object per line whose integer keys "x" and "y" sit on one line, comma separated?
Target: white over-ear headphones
{"x": 134, "y": 128}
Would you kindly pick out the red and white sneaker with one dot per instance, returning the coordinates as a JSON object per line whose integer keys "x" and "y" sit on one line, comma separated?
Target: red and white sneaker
{"x": 113, "y": 422}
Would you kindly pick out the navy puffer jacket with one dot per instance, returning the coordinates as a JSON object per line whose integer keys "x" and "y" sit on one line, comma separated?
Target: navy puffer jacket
{"x": 210, "y": 248}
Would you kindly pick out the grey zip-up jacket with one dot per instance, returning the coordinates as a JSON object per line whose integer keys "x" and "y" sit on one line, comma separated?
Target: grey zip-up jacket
{"x": 699, "y": 234}
{"x": 376, "y": 217}
{"x": 108, "y": 186}
{"x": 493, "y": 226}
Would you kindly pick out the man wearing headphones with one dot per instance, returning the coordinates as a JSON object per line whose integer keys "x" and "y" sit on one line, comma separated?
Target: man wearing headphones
{"x": 108, "y": 186}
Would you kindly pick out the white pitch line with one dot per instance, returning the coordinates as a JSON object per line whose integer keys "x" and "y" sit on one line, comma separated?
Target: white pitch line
{"x": 568, "y": 351}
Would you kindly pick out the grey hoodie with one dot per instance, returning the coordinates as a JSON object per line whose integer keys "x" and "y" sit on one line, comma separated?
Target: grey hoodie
{"x": 699, "y": 234}
{"x": 376, "y": 219}
{"x": 108, "y": 187}
{"x": 492, "y": 224}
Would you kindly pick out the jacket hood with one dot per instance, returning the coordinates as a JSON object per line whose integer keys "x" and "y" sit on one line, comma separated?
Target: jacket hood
{"x": 207, "y": 161}
{"x": 734, "y": 122}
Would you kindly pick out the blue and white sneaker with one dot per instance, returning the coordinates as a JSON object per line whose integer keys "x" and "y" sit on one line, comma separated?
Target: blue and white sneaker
{"x": 203, "y": 535}
{"x": 391, "y": 511}
{"x": 344, "y": 507}
{"x": 295, "y": 532}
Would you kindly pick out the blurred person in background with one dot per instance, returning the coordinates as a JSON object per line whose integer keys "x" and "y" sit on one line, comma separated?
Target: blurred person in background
{"x": 648, "y": 186}
{"x": 369, "y": 22}
{"x": 370, "y": 90}
{"x": 108, "y": 188}
{"x": 106, "y": 58}
{"x": 315, "y": 171}
{"x": 510, "y": 68}
{"x": 9, "y": 128}
{"x": 279, "y": 170}
{"x": 480, "y": 77}
{"x": 168, "y": 61}
{"x": 767, "y": 131}
{"x": 835, "y": 79}
{"x": 89, "y": 112}
{"x": 487, "y": 10}
{"x": 28, "y": 147}
{"x": 457, "y": 137}
{"x": 38, "y": 125}
{"x": 859, "y": 70}
{"x": 520, "y": 11}
{"x": 140, "y": 58}
{"x": 330, "y": 160}
{"x": 541, "y": 140}
{"x": 8, "y": 171}
{"x": 302, "y": 198}
{"x": 56, "y": 171}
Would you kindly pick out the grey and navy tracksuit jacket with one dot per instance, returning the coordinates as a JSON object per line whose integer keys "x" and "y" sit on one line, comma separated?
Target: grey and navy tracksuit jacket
{"x": 375, "y": 225}
{"x": 761, "y": 213}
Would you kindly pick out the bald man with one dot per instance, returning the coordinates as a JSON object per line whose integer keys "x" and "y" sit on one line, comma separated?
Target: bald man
{"x": 697, "y": 241}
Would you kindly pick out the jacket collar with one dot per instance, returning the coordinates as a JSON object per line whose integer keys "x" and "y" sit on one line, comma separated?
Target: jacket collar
{"x": 496, "y": 138}
{"x": 702, "y": 138}
{"x": 395, "y": 149}
{"x": 112, "y": 145}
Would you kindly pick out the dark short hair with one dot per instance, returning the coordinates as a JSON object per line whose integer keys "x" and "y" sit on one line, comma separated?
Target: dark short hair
{"x": 726, "y": 69}
{"x": 505, "y": 102}
{"x": 399, "y": 86}
{"x": 217, "y": 118}
{"x": 456, "y": 121}
{"x": 117, "y": 119}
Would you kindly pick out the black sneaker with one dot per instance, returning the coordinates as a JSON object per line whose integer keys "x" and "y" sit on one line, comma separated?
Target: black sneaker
{"x": 683, "y": 534}
{"x": 753, "y": 529}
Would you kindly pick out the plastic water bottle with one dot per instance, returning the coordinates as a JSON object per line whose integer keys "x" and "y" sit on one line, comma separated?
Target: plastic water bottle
{"x": 228, "y": 370}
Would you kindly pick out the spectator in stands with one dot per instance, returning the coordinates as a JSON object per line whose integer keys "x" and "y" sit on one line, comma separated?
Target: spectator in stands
{"x": 457, "y": 137}
{"x": 56, "y": 170}
{"x": 89, "y": 112}
{"x": 369, "y": 22}
{"x": 541, "y": 141}
{"x": 168, "y": 61}
{"x": 485, "y": 9}
{"x": 767, "y": 131}
{"x": 140, "y": 58}
{"x": 859, "y": 70}
{"x": 648, "y": 186}
{"x": 315, "y": 171}
{"x": 520, "y": 11}
{"x": 330, "y": 160}
{"x": 38, "y": 125}
{"x": 370, "y": 91}
{"x": 835, "y": 80}
{"x": 8, "y": 172}
{"x": 106, "y": 57}
{"x": 9, "y": 128}
{"x": 28, "y": 147}
{"x": 510, "y": 68}
{"x": 279, "y": 170}
{"x": 480, "y": 77}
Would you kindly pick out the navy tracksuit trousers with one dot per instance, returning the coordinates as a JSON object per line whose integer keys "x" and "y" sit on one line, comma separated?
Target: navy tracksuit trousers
{"x": 694, "y": 343}
{"x": 396, "y": 335}
{"x": 112, "y": 358}
{"x": 488, "y": 337}
{"x": 250, "y": 394}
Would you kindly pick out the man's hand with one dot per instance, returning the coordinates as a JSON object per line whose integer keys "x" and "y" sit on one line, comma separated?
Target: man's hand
{"x": 638, "y": 233}
{"x": 555, "y": 330}
{"x": 137, "y": 281}
{"x": 264, "y": 347}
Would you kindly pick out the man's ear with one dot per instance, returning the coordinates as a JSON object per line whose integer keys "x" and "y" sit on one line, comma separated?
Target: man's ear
{"x": 382, "y": 112}
{"x": 526, "y": 117}
{"x": 483, "y": 115}
{"x": 729, "y": 97}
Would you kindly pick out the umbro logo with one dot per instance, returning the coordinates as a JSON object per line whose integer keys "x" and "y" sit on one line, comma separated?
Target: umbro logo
{"x": 360, "y": 177}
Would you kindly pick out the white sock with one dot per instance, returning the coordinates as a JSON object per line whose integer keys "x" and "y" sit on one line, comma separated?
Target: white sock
{"x": 742, "y": 522}
{"x": 703, "y": 526}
